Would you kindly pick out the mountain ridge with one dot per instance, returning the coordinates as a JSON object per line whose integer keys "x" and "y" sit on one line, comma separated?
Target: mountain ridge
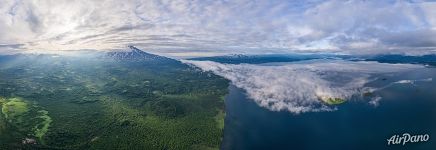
{"x": 134, "y": 54}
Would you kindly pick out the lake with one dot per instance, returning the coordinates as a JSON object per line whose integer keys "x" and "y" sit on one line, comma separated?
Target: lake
{"x": 356, "y": 124}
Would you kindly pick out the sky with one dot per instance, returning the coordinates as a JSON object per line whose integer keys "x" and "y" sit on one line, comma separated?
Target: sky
{"x": 214, "y": 27}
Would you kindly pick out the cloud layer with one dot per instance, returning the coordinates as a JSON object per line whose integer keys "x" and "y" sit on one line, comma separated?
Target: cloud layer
{"x": 181, "y": 27}
{"x": 297, "y": 87}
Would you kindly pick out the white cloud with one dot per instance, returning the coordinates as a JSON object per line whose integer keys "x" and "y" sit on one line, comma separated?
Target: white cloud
{"x": 375, "y": 101}
{"x": 218, "y": 26}
{"x": 296, "y": 87}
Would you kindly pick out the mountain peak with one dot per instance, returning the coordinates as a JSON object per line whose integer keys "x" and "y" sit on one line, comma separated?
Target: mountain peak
{"x": 134, "y": 49}
{"x": 133, "y": 54}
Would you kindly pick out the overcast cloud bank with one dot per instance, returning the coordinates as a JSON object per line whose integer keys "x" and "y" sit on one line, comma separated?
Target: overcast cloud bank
{"x": 213, "y": 27}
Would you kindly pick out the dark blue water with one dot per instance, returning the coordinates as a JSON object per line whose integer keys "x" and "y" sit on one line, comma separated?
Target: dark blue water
{"x": 356, "y": 125}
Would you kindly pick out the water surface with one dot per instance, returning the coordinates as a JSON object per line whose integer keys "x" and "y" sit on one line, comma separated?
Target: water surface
{"x": 404, "y": 108}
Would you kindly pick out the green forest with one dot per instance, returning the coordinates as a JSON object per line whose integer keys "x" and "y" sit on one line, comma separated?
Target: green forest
{"x": 59, "y": 102}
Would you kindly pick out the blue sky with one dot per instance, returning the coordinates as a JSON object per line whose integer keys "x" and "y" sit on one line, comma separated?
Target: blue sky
{"x": 214, "y": 27}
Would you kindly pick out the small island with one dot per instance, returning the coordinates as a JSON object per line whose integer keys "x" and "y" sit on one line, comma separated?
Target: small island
{"x": 332, "y": 100}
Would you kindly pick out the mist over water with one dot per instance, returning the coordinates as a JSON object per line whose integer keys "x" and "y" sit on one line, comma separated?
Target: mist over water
{"x": 356, "y": 124}
{"x": 298, "y": 86}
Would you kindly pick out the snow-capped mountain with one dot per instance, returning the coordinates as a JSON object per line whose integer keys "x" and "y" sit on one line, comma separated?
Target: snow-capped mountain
{"x": 133, "y": 54}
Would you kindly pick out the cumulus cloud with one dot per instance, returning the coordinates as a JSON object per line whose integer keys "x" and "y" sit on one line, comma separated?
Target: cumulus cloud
{"x": 297, "y": 87}
{"x": 180, "y": 27}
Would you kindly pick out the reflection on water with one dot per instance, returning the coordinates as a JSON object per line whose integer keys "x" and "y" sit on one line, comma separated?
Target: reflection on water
{"x": 357, "y": 124}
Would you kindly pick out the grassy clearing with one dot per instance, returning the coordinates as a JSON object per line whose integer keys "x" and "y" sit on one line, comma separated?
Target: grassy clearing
{"x": 219, "y": 118}
{"x": 2, "y": 124}
{"x": 14, "y": 108}
{"x": 42, "y": 127}
{"x": 28, "y": 118}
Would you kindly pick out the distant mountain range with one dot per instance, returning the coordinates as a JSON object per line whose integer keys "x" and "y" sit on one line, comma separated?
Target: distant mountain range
{"x": 135, "y": 54}
{"x": 258, "y": 59}
{"x": 425, "y": 59}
